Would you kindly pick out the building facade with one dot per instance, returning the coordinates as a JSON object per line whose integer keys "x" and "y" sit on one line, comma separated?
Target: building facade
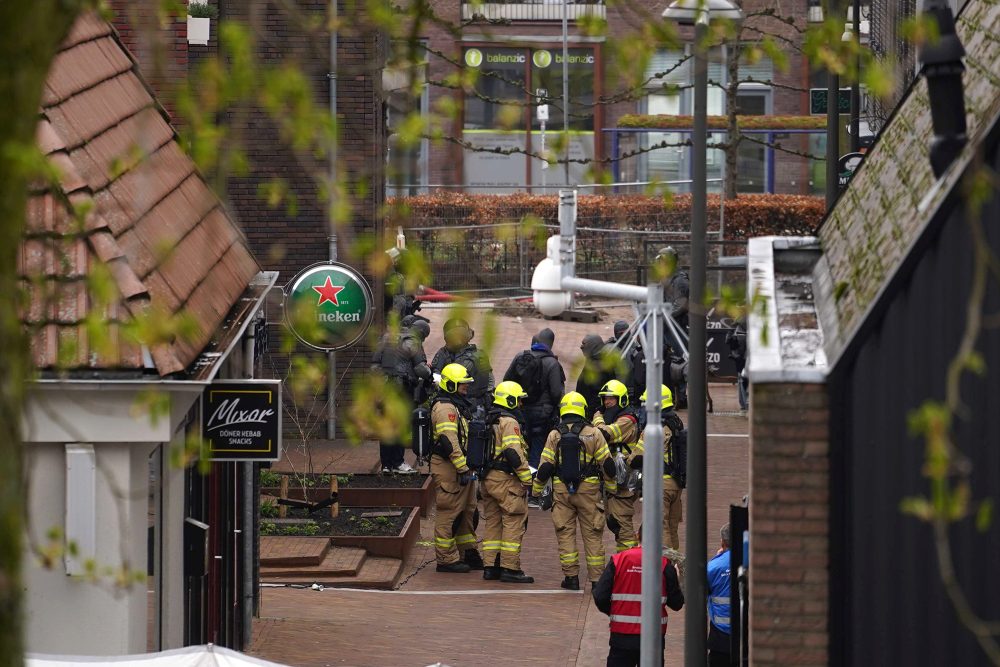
{"x": 516, "y": 52}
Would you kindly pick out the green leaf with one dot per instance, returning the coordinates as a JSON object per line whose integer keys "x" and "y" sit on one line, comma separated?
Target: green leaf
{"x": 918, "y": 507}
{"x": 984, "y": 515}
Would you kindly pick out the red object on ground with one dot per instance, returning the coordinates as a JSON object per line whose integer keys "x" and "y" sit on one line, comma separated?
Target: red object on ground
{"x": 432, "y": 295}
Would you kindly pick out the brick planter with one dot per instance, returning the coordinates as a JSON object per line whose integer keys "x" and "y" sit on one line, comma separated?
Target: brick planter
{"x": 421, "y": 496}
{"x": 389, "y": 547}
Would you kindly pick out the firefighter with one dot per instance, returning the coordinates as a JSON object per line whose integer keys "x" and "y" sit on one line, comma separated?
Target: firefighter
{"x": 576, "y": 456}
{"x": 619, "y": 425}
{"x": 674, "y": 466}
{"x": 505, "y": 508}
{"x": 454, "y": 537}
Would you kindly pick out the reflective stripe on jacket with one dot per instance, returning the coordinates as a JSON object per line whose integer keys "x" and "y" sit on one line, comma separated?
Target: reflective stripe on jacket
{"x": 718, "y": 591}
{"x": 626, "y": 593}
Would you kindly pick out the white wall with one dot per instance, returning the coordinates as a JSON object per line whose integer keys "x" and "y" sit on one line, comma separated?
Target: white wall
{"x": 70, "y": 614}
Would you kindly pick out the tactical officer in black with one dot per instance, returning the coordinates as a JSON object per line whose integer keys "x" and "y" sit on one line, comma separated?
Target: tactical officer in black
{"x": 402, "y": 360}
{"x": 459, "y": 350}
{"x": 540, "y": 374}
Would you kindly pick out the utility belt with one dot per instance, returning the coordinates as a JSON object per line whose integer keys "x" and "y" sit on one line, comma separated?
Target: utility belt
{"x": 502, "y": 466}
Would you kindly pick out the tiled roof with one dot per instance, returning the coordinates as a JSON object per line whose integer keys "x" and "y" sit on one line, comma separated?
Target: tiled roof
{"x": 142, "y": 212}
{"x": 894, "y": 194}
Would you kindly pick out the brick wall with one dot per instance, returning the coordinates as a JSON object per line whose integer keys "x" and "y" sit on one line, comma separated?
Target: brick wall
{"x": 162, "y": 54}
{"x": 789, "y": 524}
{"x": 283, "y": 240}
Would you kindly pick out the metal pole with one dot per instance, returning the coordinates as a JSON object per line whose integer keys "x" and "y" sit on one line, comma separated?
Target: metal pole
{"x": 651, "y": 642}
{"x": 856, "y": 86}
{"x": 331, "y": 357}
{"x": 565, "y": 85}
{"x": 832, "y": 125}
{"x": 249, "y": 508}
{"x": 695, "y": 624}
{"x": 331, "y": 364}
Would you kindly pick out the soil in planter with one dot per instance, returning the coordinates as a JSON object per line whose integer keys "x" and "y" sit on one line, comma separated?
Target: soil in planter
{"x": 350, "y": 522}
{"x": 381, "y": 481}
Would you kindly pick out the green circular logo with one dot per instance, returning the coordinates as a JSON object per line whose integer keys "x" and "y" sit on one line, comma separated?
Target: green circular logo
{"x": 541, "y": 58}
{"x": 329, "y": 306}
{"x": 473, "y": 57}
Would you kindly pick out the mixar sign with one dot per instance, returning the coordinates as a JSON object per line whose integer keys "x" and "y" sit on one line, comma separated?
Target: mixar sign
{"x": 329, "y": 306}
{"x": 241, "y": 420}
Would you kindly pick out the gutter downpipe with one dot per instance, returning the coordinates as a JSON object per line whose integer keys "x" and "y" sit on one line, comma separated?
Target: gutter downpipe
{"x": 248, "y": 528}
{"x": 331, "y": 357}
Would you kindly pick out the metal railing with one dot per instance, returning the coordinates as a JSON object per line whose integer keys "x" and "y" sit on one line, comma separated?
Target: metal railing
{"x": 531, "y": 11}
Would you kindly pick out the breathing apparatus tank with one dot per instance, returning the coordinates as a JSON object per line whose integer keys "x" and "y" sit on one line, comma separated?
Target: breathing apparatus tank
{"x": 422, "y": 441}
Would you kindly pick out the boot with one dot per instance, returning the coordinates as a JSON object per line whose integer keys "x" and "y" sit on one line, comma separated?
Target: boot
{"x": 571, "y": 583}
{"x": 515, "y": 577}
{"x": 491, "y": 573}
{"x": 473, "y": 559}
{"x": 457, "y": 566}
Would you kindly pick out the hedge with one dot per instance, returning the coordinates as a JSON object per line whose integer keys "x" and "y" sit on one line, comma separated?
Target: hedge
{"x": 746, "y": 216}
{"x": 662, "y": 121}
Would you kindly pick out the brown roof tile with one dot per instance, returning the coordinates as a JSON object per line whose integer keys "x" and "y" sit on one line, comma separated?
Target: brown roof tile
{"x": 121, "y": 165}
{"x": 889, "y": 201}
{"x": 84, "y": 66}
{"x": 88, "y": 26}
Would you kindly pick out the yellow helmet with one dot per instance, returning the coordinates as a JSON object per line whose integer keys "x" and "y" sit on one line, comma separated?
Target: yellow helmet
{"x": 666, "y": 396}
{"x": 616, "y": 389}
{"x": 453, "y": 375}
{"x": 506, "y": 394}
{"x": 573, "y": 403}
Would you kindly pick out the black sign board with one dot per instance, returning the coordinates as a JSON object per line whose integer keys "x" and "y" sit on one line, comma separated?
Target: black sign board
{"x": 846, "y": 166}
{"x": 817, "y": 101}
{"x": 241, "y": 420}
{"x": 717, "y": 359}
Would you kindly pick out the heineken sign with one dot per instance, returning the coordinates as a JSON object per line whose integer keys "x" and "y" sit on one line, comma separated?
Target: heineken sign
{"x": 241, "y": 420}
{"x": 329, "y": 306}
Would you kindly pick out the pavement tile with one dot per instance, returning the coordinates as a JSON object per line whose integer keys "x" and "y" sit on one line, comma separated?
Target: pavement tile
{"x": 430, "y": 619}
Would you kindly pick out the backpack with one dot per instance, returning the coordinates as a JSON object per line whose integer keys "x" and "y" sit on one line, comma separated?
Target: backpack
{"x": 675, "y": 464}
{"x": 480, "y": 443}
{"x": 422, "y": 435}
{"x": 526, "y": 370}
{"x": 568, "y": 455}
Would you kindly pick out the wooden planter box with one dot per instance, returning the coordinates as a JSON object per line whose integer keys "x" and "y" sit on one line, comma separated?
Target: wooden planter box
{"x": 388, "y": 547}
{"x": 418, "y": 496}
{"x": 312, "y": 494}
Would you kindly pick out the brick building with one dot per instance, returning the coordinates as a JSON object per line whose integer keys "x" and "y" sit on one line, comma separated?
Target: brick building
{"x": 516, "y": 48}
{"x": 856, "y": 403}
{"x": 288, "y": 238}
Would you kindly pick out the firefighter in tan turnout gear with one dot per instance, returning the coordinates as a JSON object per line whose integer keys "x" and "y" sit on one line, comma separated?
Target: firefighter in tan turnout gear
{"x": 454, "y": 538}
{"x": 575, "y": 457}
{"x": 620, "y": 427}
{"x": 674, "y": 466}
{"x": 504, "y": 489}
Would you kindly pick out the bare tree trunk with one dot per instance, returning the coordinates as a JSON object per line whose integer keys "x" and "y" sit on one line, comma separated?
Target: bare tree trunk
{"x": 733, "y": 137}
{"x": 30, "y": 34}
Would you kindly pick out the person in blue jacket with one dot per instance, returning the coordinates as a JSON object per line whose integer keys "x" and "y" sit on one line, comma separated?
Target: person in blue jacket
{"x": 718, "y": 604}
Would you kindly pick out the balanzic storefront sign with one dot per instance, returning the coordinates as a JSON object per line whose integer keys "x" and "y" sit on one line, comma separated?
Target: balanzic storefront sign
{"x": 241, "y": 420}
{"x": 329, "y": 306}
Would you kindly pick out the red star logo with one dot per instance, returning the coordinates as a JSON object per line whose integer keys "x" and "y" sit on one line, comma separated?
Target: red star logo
{"x": 328, "y": 292}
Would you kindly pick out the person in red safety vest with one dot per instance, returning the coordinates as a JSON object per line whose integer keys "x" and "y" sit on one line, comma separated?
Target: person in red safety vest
{"x": 618, "y": 593}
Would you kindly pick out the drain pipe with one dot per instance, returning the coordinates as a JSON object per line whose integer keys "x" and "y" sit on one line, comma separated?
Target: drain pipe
{"x": 249, "y": 510}
{"x": 331, "y": 357}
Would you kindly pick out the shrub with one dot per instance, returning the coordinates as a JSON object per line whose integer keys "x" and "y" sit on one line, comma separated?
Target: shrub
{"x": 268, "y": 478}
{"x": 202, "y": 10}
{"x": 268, "y": 508}
{"x": 663, "y": 121}
{"x": 747, "y": 215}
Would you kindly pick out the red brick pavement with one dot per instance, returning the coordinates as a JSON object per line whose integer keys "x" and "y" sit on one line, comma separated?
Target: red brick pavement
{"x": 462, "y": 620}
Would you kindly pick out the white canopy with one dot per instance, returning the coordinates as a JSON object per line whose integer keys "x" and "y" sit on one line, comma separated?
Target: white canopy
{"x": 190, "y": 656}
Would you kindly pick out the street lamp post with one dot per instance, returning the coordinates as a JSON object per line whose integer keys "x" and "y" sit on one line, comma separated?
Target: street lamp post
{"x": 698, "y": 13}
